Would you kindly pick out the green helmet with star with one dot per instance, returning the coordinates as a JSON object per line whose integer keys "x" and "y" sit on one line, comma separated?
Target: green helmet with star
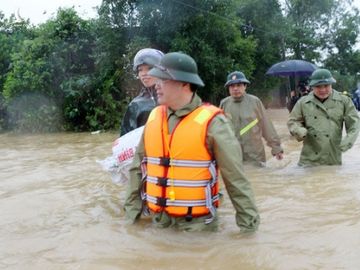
{"x": 236, "y": 77}
{"x": 321, "y": 76}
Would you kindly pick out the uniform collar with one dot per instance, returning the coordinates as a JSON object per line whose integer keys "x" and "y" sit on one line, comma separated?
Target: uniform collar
{"x": 239, "y": 99}
{"x": 335, "y": 95}
{"x": 188, "y": 108}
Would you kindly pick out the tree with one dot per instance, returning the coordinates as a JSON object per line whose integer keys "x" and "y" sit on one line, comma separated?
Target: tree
{"x": 206, "y": 30}
{"x": 308, "y": 21}
{"x": 344, "y": 33}
{"x": 12, "y": 35}
{"x": 58, "y": 64}
{"x": 264, "y": 22}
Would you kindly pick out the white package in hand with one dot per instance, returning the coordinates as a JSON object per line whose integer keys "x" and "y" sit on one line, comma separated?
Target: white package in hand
{"x": 123, "y": 151}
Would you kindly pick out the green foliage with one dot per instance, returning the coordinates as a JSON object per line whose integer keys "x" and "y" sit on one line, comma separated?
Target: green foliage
{"x": 12, "y": 34}
{"x": 76, "y": 74}
{"x": 263, "y": 22}
{"x": 342, "y": 56}
{"x": 87, "y": 107}
{"x": 59, "y": 64}
{"x": 305, "y": 19}
{"x": 3, "y": 114}
{"x": 207, "y": 30}
{"x": 34, "y": 112}
{"x": 344, "y": 82}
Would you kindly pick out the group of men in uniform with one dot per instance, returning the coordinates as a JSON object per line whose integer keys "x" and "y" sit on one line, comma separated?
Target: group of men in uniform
{"x": 188, "y": 144}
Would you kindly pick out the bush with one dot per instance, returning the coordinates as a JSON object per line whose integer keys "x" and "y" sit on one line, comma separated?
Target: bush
{"x": 32, "y": 113}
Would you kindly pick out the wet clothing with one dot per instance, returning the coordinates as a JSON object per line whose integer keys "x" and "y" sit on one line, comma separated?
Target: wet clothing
{"x": 138, "y": 110}
{"x": 181, "y": 178}
{"x": 356, "y": 99}
{"x": 243, "y": 113}
{"x": 319, "y": 125}
{"x": 224, "y": 148}
{"x": 291, "y": 103}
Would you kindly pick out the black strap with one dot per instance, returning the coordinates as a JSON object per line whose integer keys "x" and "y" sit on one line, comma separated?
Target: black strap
{"x": 160, "y": 201}
{"x": 162, "y": 181}
{"x": 165, "y": 161}
{"x": 188, "y": 216}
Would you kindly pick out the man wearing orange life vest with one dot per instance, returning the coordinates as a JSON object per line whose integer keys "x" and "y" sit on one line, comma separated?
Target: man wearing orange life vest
{"x": 184, "y": 146}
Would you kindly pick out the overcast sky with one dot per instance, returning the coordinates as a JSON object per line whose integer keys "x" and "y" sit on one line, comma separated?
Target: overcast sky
{"x": 40, "y": 10}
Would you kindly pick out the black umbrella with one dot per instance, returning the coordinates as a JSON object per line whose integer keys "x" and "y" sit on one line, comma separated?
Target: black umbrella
{"x": 291, "y": 68}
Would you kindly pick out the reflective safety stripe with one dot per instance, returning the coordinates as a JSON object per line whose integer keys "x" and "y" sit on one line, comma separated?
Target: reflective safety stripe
{"x": 248, "y": 127}
{"x": 210, "y": 205}
{"x": 184, "y": 203}
{"x": 179, "y": 162}
{"x": 213, "y": 173}
{"x": 179, "y": 183}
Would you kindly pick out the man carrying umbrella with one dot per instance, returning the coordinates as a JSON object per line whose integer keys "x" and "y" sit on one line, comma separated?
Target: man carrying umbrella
{"x": 318, "y": 119}
{"x": 293, "y": 68}
{"x": 250, "y": 122}
{"x": 303, "y": 90}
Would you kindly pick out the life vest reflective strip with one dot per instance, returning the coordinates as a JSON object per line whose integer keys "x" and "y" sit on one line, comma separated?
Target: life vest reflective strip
{"x": 179, "y": 183}
{"x": 180, "y": 163}
{"x": 187, "y": 203}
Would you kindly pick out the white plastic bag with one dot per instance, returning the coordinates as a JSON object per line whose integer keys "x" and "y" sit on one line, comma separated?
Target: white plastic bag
{"x": 123, "y": 151}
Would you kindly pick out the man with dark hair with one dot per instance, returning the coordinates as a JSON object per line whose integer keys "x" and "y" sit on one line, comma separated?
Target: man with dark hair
{"x": 303, "y": 90}
{"x": 185, "y": 145}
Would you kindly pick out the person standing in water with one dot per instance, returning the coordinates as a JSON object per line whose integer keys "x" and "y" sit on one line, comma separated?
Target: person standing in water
{"x": 251, "y": 124}
{"x": 318, "y": 120}
{"x": 139, "y": 108}
{"x": 185, "y": 146}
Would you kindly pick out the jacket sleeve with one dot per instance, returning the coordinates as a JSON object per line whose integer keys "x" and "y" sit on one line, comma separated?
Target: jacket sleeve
{"x": 129, "y": 121}
{"x": 226, "y": 149}
{"x": 133, "y": 203}
{"x": 221, "y": 105}
{"x": 268, "y": 131}
{"x": 296, "y": 123}
{"x": 352, "y": 126}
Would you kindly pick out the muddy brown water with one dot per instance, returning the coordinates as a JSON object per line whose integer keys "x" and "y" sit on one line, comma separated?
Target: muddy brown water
{"x": 59, "y": 210}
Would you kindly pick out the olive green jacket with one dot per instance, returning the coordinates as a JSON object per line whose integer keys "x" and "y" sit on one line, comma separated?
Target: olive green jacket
{"x": 223, "y": 146}
{"x": 320, "y": 125}
{"x": 242, "y": 113}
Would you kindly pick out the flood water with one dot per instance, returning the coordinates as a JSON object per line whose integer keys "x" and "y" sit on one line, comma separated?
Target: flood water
{"x": 59, "y": 210}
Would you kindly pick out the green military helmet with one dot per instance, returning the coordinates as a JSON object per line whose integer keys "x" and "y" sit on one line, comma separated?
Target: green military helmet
{"x": 236, "y": 77}
{"x": 177, "y": 66}
{"x": 321, "y": 76}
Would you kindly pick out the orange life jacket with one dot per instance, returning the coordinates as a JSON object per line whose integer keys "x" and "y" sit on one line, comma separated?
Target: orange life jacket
{"x": 180, "y": 174}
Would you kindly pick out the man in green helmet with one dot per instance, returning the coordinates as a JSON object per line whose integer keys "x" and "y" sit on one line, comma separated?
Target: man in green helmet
{"x": 250, "y": 121}
{"x": 318, "y": 119}
{"x": 185, "y": 145}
